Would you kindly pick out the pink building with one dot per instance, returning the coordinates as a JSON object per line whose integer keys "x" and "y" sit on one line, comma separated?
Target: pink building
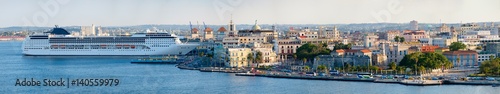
{"x": 413, "y": 35}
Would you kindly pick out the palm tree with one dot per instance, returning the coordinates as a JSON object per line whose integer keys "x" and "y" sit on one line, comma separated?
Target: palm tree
{"x": 250, "y": 59}
{"x": 305, "y": 60}
{"x": 307, "y": 68}
{"x": 393, "y": 66}
{"x": 258, "y": 58}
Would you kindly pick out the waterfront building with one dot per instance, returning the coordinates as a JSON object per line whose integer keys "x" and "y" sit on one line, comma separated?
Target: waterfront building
{"x": 238, "y": 57}
{"x": 352, "y": 57}
{"x": 327, "y": 60}
{"x": 484, "y": 56}
{"x": 269, "y": 57}
{"x": 380, "y": 60}
{"x": 462, "y": 58}
{"x": 396, "y": 52}
{"x": 288, "y": 46}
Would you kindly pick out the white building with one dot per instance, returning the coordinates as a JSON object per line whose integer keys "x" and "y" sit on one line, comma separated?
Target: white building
{"x": 88, "y": 30}
{"x": 484, "y": 57}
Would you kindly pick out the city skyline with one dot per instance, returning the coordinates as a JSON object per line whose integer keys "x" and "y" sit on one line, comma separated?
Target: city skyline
{"x": 218, "y": 12}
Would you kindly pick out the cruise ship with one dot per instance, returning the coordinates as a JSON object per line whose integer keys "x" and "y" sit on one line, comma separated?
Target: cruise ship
{"x": 58, "y": 41}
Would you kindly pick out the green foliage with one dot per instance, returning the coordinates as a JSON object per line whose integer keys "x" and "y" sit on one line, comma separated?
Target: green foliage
{"x": 250, "y": 58}
{"x": 399, "y": 39}
{"x": 310, "y": 51}
{"x": 392, "y": 65}
{"x": 374, "y": 68}
{"x": 322, "y": 68}
{"x": 342, "y": 46}
{"x": 479, "y": 48}
{"x": 455, "y": 46}
{"x": 307, "y": 68}
{"x": 258, "y": 57}
{"x": 490, "y": 67}
{"x": 427, "y": 60}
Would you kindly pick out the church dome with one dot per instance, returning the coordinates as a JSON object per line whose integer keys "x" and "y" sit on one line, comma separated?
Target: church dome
{"x": 256, "y": 26}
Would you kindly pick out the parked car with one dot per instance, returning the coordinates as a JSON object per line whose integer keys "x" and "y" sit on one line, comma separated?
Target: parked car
{"x": 310, "y": 74}
{"x": 322, "y": 74}
{"x": 490, "y": 79}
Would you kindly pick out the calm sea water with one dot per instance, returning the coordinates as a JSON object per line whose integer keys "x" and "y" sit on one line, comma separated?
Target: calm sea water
{"x": 142, "y": 78}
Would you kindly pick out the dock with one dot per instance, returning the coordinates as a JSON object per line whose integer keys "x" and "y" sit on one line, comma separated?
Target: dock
{"x": 158, "y": 60}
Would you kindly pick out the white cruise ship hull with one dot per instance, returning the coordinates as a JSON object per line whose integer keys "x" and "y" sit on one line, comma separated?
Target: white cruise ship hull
{"x": 59, "y": 42}
{"x": 110, "y": 52}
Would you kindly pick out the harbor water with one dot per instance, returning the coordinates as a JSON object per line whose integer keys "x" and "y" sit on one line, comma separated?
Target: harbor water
{"x": 166, "y": 78}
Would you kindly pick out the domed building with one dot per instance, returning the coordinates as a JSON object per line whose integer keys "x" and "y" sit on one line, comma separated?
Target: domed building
{"x": 256, "y": 26}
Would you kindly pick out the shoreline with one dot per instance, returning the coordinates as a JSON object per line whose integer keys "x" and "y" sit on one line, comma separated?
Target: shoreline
{"x": 339, "y": 78}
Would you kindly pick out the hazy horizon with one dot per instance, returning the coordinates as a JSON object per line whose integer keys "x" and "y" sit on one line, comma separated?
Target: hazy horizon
{"x": 218, "y": 12}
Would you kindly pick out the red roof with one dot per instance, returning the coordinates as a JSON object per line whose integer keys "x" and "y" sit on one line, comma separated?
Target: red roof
{"x": 195, "y": 30}
{"x": 365, "y": 51}
{"x": 222, "y": 29}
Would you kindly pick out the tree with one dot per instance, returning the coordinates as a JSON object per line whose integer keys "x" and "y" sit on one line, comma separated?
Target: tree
{"x": 490, "y": 67}
{"x": 428, "y": 60}
{"x": 305, "y": 60}
{"x": 393, "y": 66}
{"x": 310, "y": 51}
{"x": 307, "y": 68}
{"x": 348, "y": 67}
{"x": 399, "y": 39}
{"x": 396, "y": 39}
{"x": 324, "y": 45}
{"x": 455, "y": 46}
{"x": 342, "y": 46}
{"x": 250, "y": 58}
{"x": 258, "y": 58}
{"x": 322, "y": 68}
{"x": 374, "y": 68}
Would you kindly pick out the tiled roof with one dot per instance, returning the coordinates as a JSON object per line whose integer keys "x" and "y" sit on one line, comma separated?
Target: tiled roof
{"x": 222, "y": 29}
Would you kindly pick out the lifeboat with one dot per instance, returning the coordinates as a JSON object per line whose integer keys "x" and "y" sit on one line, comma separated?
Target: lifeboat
{"x": 132, "y": 46}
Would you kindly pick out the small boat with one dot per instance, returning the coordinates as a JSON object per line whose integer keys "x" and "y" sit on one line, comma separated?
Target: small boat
{"x": 494, "y": 85}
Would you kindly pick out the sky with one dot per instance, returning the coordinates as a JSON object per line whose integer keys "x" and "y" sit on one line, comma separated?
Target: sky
{"x": 219, "y": 12}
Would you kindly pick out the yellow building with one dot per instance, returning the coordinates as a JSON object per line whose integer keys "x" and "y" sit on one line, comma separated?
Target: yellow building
{"x": 238, "y": 57}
